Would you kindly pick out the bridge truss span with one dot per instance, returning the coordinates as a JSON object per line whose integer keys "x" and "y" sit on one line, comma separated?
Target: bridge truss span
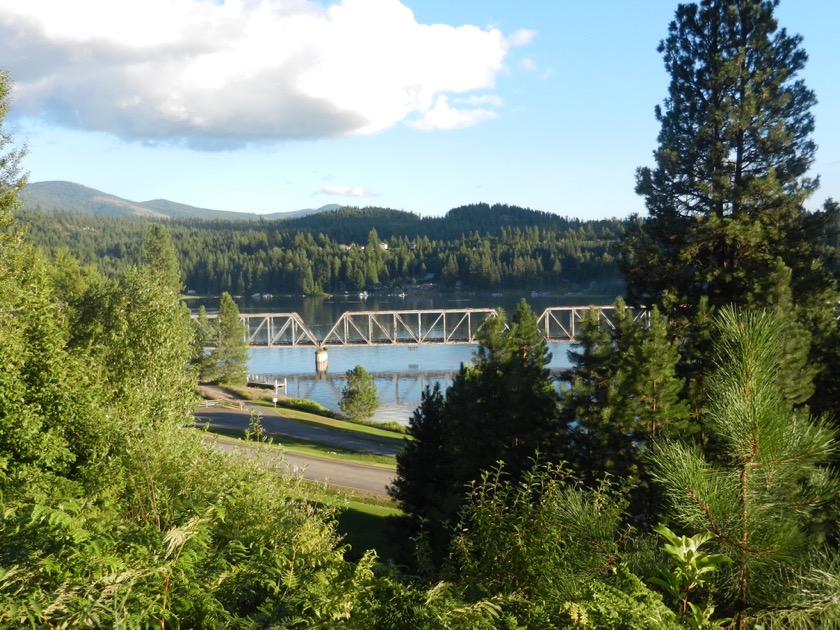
{"x": 411, "y": 327}
{"x": 277, "y": 329}
{"x": 390, "y": 328}
{"x": 559, "y": 323}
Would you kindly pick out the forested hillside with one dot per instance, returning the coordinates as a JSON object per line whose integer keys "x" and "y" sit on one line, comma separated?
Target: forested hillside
{"x": 53, "y": 196}
{"x": 477, "y": 247}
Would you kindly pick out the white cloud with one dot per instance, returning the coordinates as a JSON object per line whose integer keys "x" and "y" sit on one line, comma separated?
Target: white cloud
{"x": 528, "y": 65}
{"x": 480, "y": 99}
{"x": 347, "y": 191}
{"x": 522, "y": 37}
{"x": 442, "y": 116}
{"x": 218, "y": 75}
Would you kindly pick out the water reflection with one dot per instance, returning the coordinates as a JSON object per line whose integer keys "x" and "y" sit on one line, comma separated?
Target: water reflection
{"x": 400, "y": 372}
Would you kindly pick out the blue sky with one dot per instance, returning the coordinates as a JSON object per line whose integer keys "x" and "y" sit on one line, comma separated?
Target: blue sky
{"x": 421, "y": 105}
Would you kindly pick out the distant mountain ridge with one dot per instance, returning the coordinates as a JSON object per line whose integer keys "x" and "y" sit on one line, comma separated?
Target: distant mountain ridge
{"x": 71, "y": 197}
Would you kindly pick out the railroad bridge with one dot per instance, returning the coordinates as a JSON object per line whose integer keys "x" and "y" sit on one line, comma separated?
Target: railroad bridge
{"x": 407, "y": 327}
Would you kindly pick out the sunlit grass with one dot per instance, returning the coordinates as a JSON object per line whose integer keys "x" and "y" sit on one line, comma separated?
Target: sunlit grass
{"x": 303, "y": 447}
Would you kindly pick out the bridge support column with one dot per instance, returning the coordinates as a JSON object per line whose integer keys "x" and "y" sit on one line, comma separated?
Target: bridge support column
{"x": 321, "y": 360}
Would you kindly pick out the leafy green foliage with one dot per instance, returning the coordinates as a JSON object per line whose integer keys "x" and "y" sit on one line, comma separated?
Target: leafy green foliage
{"x": 549, "y": 552}
{"x": 203, "y": 335}
{"x": 359, "y": 398}
{"x": 689, "y": 572}
{"x": 12, "y": 180}
{"x": 113, "y": 513}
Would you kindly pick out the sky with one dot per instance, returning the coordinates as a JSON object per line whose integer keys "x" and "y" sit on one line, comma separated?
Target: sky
{"x": 420, "y": 105}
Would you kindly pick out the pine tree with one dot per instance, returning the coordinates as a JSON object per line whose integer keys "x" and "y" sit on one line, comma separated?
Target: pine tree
{"x": 502, "y": 407}
{"x": 620, "y": 396}
{"x": 158, "y": 252}
{"x": 586, "y": 402}
{"x": 230, "y": 356}
{"x": 760, "y": 491}
{"x": 422, "y": 484}
{"x": 653, "y": 388}
{"x": 725, "y": 199}
{"x": 417, "y": 485}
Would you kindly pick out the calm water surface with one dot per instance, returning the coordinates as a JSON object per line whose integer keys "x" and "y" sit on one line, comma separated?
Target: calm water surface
{"x": 400, "y": 372}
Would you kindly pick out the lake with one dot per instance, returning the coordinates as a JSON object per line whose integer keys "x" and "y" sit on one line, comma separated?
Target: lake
{"x": 400, "y": 372}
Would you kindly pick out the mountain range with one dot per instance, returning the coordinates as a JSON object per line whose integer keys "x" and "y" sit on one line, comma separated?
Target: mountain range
{"x": 68, "y": 196}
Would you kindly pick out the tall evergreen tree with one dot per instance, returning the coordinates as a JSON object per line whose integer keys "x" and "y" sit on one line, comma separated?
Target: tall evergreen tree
{"x": 586, "y": 402}
{"x": 417, "y": 484}
{"x": 424, "y": 473}
{"x": 158, "y": 252}
{"x": 230, "y": 356}
{"x": 725, "y": 199}
{"x": 503, "y": 407}
{"x": 620, "y": 396}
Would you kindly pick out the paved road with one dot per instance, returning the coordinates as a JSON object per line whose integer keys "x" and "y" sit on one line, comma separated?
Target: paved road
{"x": 344, "y": 474}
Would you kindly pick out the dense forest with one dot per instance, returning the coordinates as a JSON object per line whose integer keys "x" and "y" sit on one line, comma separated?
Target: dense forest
{"x": 683, "y": 475}
{"x": 477, "y": 247}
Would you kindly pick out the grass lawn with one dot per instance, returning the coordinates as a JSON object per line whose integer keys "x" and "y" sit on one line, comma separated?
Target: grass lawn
{"x": 365, "y": 526}
{"x": 338, "y": 425}
{"x": 302, "y": 447}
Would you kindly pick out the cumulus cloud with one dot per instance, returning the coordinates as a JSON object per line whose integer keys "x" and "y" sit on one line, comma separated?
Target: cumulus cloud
{"x": 224, "y": 74}
{"x": 480, "y": 99}
{"x": 347, "y": 191}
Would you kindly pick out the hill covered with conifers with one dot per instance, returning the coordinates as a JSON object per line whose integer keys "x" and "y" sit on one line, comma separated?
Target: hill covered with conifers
{"x": 479, "y": 246}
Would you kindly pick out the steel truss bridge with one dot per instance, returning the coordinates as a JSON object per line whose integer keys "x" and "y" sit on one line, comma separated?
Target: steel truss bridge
{"x": 409, "y": 327}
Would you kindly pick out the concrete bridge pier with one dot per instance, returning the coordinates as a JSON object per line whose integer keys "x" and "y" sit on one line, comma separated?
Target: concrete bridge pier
{"x": 321, "y": 360}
